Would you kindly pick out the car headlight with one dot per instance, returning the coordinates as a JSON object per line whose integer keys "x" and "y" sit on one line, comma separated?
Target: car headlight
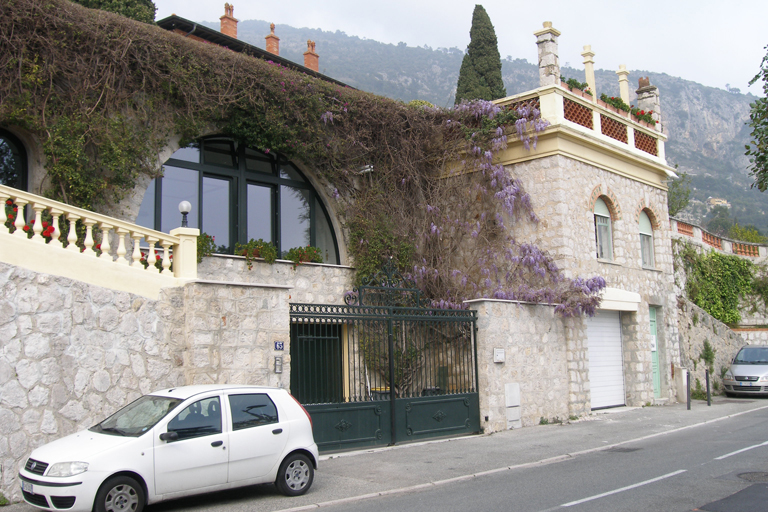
{"x": 67, "y": 469}
{"x": 728, "y": 375}
{"x": 764, "y": 378}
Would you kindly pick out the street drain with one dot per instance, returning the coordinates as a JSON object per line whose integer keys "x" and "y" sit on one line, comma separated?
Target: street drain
{"x": 622, "y": 450}
{"x": 755, "y": 477}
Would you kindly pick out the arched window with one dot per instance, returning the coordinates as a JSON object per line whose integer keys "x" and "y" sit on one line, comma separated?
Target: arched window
{"x": 603, "y": 233}
{"x": 646, "y": 240}
{"x": 13, "y": 162}
{"x": 238, "y": 194}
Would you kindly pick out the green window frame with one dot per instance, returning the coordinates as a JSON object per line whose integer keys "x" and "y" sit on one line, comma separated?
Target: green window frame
{"x": 238, "y": 193}
{"x": 13, "y": 161}
{"x": 603, "y": 231}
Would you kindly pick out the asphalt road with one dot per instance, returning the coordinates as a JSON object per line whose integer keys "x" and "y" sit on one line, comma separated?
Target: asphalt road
{"x": 687, "y": 470}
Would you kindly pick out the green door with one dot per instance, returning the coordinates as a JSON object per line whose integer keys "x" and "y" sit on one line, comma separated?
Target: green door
{"x": 655, "y": 356}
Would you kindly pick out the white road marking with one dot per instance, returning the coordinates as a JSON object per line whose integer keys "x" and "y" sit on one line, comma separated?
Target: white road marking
{"x": 616, "y": 491}
{"x": 742, "y": 450}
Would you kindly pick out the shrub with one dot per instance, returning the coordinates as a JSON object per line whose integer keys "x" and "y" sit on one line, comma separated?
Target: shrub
{"x": 256, "y": 249}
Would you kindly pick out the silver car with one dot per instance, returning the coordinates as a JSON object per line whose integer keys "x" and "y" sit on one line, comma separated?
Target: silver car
{"x": 748, "y": 374}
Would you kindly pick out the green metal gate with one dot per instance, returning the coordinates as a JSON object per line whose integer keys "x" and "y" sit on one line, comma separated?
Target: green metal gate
{"x": 383, "y": 369}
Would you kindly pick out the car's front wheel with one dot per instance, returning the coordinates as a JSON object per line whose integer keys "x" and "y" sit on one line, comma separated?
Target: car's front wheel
{"x": 120, "y": 494}
{"x": 295, "y": 475}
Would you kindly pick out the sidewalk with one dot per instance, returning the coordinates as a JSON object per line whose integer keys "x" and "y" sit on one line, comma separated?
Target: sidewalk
{"x": 354, "y": 475}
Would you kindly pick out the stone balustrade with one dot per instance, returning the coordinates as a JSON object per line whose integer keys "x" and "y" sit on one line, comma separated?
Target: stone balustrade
{"x": 48, "y": 236}
{"x": 579, "y": 111}
{"x": 685, "y": 231}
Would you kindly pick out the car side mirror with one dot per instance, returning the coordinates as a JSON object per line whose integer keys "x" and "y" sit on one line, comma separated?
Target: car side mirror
{"x": 169, "y": 436}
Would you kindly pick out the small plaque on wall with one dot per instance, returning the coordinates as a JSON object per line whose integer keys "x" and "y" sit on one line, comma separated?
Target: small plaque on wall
{"x": 498, "y": 355}
{"x": 279, "y": 345}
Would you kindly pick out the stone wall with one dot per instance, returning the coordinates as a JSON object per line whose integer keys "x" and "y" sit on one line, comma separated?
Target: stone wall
{"x": 73, "y": 353}
{"x": 563, "y": 191}
{"x": 698, "y": 326}
{"x": 753, "y": 336}
{"x": 544, "y": 362}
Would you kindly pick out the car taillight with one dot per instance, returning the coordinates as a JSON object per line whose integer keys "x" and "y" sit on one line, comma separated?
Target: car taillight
{"x": 302, "y": 408}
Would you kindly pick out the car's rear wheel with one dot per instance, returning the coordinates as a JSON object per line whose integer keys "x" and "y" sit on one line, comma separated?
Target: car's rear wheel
{"x": 295, "y": 475}
{"x": 120, "y": 494}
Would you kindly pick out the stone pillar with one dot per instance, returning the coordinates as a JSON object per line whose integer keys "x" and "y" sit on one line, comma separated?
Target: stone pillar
{"x": 589, "y": 70}
{"x": 648, "y": 99}
{"x": 273, "y": 42}
{"x": 228, "y": 21}
{"x": 311, "y": 59}
{"x": 549, "y": 65}
{"x": 623, "y": 83}
{"x": 185, "y": 254}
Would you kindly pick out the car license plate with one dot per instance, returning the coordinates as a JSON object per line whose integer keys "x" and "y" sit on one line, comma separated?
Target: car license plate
{"x": 745, "y": 383}
{"x": 27, "y": 487}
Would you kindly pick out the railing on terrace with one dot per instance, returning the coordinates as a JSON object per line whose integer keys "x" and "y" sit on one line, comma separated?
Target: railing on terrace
{"x": 614, "y": 126}
{"x": 699, "y": 235}
{"x": 90, "y": 236}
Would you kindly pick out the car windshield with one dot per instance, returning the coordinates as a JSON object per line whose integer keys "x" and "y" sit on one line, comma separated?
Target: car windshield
{"x": 752, "y": 355}
{"x": 137, "y": 417}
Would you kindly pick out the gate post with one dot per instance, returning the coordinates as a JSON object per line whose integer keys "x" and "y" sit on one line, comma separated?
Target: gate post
{"x": 391, "y": 343}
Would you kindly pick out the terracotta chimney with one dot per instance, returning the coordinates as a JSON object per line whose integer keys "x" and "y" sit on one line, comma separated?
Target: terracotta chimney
{"x": 311, "y": 59}
{"x": 228, "y": 21}
{"x": 273, "y": 42}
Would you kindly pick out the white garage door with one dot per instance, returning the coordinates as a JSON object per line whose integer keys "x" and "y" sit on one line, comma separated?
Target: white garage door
{"x": 606, "y": 367}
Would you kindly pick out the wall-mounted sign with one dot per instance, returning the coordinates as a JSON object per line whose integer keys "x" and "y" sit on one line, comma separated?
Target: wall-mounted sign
{"x": 279, "y": 345}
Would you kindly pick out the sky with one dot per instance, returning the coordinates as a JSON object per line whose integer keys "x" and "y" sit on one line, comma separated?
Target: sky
{"x": 710, "y": 42}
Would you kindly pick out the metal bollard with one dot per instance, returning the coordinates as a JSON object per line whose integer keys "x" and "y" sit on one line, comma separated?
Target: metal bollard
{"x": 688, "y": 387}
{"x": 709, "y": 396}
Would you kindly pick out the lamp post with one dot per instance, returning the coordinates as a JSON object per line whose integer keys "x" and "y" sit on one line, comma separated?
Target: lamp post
{"x": 184, "y": 207}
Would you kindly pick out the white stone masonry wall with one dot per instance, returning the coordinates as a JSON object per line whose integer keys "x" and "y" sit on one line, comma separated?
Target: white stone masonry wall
{"x": 73, "y": 353}
{"x": 539, "y": 359}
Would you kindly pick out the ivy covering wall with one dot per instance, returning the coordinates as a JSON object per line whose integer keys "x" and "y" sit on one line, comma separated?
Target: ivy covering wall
{"x": 104, "y": 94}
{"x": 721, "y": 284}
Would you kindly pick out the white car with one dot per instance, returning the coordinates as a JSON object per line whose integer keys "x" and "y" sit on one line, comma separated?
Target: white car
{"x": 748, "y": 374}
{"x": 176, "y": 442}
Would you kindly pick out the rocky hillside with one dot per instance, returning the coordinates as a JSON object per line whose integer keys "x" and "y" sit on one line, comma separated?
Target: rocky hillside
{"x": 706, "y": 126}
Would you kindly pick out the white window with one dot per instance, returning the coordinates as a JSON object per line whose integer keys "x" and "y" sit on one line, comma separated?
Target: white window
{"x": 603, "y": 231}
{"x": 646, "y": 240}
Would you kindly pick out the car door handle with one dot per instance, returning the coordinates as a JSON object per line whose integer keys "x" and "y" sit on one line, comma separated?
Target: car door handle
{"x": 217, "y": 443}
{"x": 277, "y": 431}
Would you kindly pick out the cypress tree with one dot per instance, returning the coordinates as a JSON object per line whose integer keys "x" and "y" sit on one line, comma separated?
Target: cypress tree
{"x": 480, "y": 75}
{"x": 141, "y": 10}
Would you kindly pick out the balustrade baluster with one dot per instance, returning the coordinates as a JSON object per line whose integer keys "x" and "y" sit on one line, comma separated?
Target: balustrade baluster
{"x": 88, "y": 242}
{"x": 151, "y": 258}
{"x": 19, "y": 222}
{"x": 72, "y": 235}
{"x": 136, "y": 254}
{"x": 3, "y": 217}
{"x": 37, "y": 228}
{"x": 166, "y": 256}
{"x": 56, "y": 233}
{"x": 106, "y": 248}
{"x": 121, "y": 250}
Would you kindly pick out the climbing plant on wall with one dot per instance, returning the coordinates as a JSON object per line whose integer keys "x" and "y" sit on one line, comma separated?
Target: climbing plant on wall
{"x": 720, "y": 283}
{"x": 104, "y": 95}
